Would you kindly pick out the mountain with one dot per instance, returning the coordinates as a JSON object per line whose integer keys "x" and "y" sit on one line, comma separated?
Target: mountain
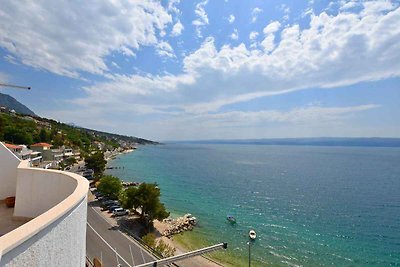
{"x": 11, "y": 103}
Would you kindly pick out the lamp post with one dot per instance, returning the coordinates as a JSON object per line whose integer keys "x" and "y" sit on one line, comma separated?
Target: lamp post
{"x": 252, "y": 238}
{"x": 249, "y": 253}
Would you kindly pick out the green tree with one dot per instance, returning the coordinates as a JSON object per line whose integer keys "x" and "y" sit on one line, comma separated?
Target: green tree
{"x": 17, "y": 135}
{"x": 44, "y": 136}
{"x": 159, "y": 245}
{"x": 58, "y": 140}
{"x": 147, "y": 198}
{"x": 165, "y": 249}
{"x": 150, "y": 240}
{"x": 96, "y": 162}
{"x": 130, "y": 198}
{"x": 110, "y": 186}
{"x": 70, "y": 161}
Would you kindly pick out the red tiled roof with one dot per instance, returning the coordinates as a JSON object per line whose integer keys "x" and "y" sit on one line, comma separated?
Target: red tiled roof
{"x": 42, "y": 145}
{"x": 12, "y": 146}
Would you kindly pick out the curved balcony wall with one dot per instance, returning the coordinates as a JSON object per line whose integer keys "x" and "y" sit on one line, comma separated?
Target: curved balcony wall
{"x": 55, "y": 201}
{"x": 8, "y": 172}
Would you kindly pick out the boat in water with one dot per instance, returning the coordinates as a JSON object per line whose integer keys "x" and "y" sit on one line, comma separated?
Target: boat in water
{"x": 231, "y": 219}
{"x": 252, "y": 235}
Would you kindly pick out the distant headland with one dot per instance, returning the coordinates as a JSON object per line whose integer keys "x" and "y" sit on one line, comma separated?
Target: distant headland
{"x": 312, "y": 141}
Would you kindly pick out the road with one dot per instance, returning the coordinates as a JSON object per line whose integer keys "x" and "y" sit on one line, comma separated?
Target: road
{"x": 106, "y": 243}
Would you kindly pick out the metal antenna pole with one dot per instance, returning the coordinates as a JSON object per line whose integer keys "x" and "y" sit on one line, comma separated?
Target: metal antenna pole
{"x": 15, "y": 86}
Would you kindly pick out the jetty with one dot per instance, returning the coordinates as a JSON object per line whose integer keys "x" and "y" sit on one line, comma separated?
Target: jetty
{"x": 179, "y": 225}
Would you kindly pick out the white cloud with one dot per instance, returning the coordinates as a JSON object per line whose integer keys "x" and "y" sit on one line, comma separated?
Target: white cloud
{"x": 254, "y": 14}
{"x": 253, "y": 35}
{"x": 11, "y": 59}
{"x": 332, "y": 51}
{"x": 348, "y": 5}
{"x": 309, "y": 114}
{"x": 164, "y": 49}
{"x": 234, "y": 35}
{"x": 269, "y": 31}
{"x": 272, "y": 27}
{"x": 66, "y": 38}
{"x": 202, "y": 18}
{"x": 172, "y": 6}
{"x": 115, "y": 65}
{"x": 307, "y": 12}
{"x": 231, "y": 19}
{"x": 177, "y": 29}
{"x": 286, "y": 11}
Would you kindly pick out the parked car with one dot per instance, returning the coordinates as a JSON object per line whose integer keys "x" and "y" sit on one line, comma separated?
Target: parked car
{"x": 88, "y": 172}
{"x": 108, "y": 203}
{"x": 120, "y": 212}
{"x": 89, "y": 177}
{"x": 113, "y": 207}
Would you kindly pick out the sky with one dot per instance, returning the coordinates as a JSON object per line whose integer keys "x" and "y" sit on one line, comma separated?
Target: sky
{"x": 217, "y": 69}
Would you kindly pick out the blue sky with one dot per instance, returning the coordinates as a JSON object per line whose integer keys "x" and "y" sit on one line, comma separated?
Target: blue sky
{"x": 187, "y": 70}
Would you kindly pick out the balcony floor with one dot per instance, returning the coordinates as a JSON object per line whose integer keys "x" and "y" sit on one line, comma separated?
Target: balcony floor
{"x": 7, "y": 224}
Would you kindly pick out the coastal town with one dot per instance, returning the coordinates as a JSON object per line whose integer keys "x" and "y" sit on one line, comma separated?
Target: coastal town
{"x": 109, "y": 198}
{"x": 59, "y": 145}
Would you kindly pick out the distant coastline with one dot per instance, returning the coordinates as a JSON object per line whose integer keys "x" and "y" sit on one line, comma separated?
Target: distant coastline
{"x": 312, "y": 141}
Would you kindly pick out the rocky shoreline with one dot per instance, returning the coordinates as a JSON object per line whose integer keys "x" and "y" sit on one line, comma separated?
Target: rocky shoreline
{"x": 179, "y": 225}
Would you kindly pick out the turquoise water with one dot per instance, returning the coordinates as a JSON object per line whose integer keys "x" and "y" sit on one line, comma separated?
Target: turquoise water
{"x": 311, "y": 206}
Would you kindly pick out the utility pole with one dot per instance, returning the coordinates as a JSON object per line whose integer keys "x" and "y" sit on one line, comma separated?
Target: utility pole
{"x": 15, "y": 86}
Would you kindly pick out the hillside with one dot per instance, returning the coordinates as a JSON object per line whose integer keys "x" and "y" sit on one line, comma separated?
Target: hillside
{"x": 11, "y": 103}
{"x": 22, "y": 129}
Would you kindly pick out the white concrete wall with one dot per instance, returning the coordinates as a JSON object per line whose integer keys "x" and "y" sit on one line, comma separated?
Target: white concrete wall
{"x": 62, "y": 243}
{"x": 38, "y": 190}
{"x": 8, "y": 172}
{"x": 56, "y": 236}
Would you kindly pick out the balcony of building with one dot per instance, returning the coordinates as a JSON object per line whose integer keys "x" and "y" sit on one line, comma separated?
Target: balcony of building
{"x": 47, "y": 225}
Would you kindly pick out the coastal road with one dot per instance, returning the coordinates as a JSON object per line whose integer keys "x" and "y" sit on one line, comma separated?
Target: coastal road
{"x": 106, "y": 243}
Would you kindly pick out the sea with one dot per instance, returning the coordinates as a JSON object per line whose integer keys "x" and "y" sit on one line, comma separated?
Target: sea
{"x": 309, "y": 205}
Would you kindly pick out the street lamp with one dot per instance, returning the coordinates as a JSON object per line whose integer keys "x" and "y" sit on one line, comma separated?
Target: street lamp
{"x": 252, "y": 238}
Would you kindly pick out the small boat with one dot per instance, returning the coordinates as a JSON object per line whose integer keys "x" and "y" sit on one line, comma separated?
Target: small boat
{"x": 252, "y": 235}
{"x": 231, "y": 219}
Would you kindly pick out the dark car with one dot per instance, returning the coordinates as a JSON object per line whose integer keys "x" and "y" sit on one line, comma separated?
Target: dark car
{"x": 107, "y": 204}
{"x": 88, "y": 172}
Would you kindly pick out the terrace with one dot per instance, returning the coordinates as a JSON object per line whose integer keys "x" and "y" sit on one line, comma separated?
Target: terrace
{"x": 49, "y": 206}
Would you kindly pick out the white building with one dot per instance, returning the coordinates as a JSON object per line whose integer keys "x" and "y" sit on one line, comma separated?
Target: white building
{"x": 47, "y": 226}
{"x": 22, "y": 152}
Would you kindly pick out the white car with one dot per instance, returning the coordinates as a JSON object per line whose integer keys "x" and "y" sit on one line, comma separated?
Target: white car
{"x": 120, "y": 212}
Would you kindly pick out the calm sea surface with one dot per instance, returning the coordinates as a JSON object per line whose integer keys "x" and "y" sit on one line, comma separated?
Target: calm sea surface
{"x": 311, "y": 206}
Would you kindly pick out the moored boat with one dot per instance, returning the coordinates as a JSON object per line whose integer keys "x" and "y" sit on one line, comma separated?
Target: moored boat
{"x": 231, "y": 219}
{"x": 252, "y": 235}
